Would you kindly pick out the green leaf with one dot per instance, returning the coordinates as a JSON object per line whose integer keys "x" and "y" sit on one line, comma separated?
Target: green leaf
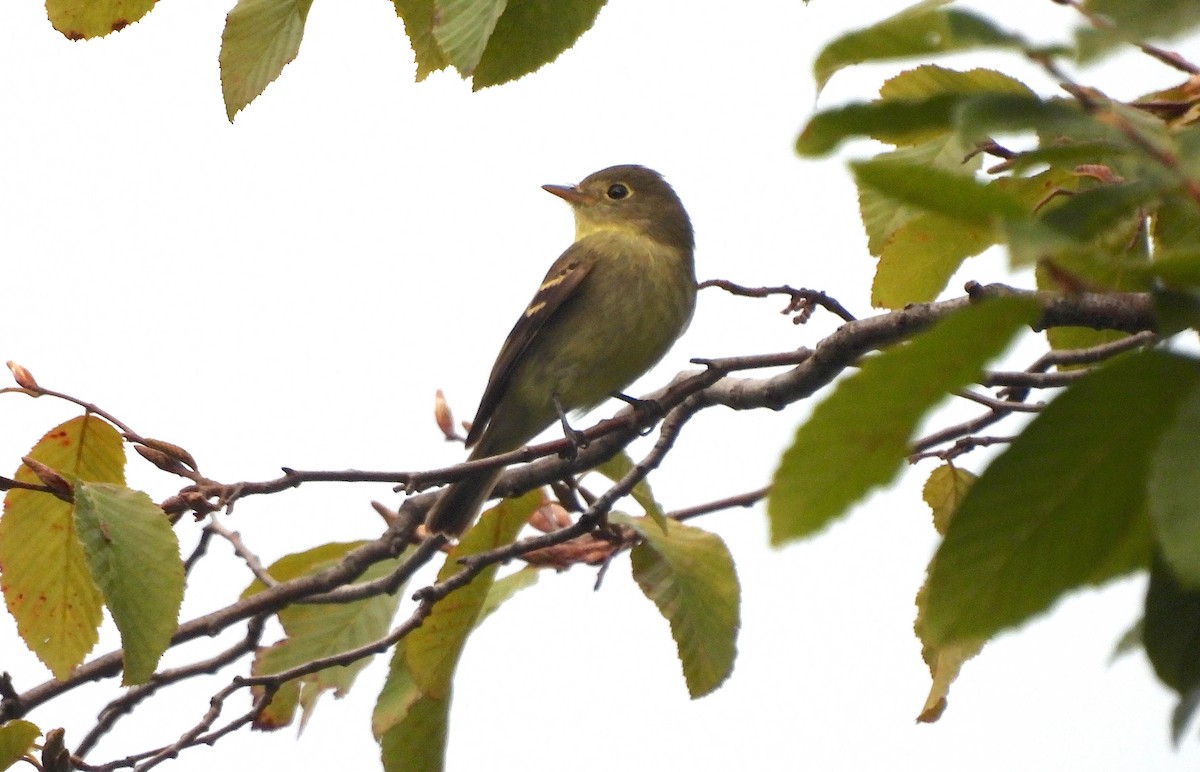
{"x": 319, "y": 631}
{"x": 504, "y": 588}
{"x": 900, "y": 122}
{"x": 417, "y": 16}
{"x": 82, "y": 19}
{"x": 1176, "y": 224}
{"x": 1089, "y": 213}
{"x": 298, "y": 564}
{"x": 1171, "y": 629}
{"x": 922, "y": 255}
{"x": 16, "y": 739}
{"x": 944, "y": 490}
{"x": 411, "y": 726}
{"x": 1172, "y": 491}
{"x": 1063, "y": 506}
{"x": 944, "y": 662}
{"x": 955, "y": 196}
{"x": 462, "y": 29}
{"x": 920, "y": 30}
{"x": 259, "y": 39}
{"x": 1134, "y": 21}
{"x": 857, "y": 439}
{"x": 620, "y": 465}
{"x": 689, "y": 574}
{"x": 433, "y": 649}
{"x": 995, "y": 113}
{"x": 531, "y": 33}
{"x": 46, "y": 582}
{"x": 133, "y": 555}
{"x": 883, "y": 216}
{"x": 930, "y": 79}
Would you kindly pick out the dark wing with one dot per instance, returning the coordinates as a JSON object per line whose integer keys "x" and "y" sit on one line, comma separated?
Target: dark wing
{"x": 561, "y": 281}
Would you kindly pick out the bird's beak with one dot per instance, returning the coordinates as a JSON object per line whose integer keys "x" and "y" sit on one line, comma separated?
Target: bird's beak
{"x": 570, "y": 194}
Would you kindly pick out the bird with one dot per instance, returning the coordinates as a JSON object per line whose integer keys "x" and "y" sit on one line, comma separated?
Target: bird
{"x": 607, "y": 311}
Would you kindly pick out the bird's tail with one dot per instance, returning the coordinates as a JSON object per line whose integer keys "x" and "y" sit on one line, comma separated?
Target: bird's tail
{"x": 458, "y": 505}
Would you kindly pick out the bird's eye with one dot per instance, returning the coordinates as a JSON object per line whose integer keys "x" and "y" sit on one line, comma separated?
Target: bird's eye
{"x": 617, "y": 191}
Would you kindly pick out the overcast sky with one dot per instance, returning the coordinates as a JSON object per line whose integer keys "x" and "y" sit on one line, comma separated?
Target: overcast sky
{"x": 291, "y": 290}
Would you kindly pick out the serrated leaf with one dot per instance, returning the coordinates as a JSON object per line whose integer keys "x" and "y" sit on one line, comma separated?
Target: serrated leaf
{"x": 531, "y": 33}
{"x": 259, "y": 39}
{"x": 46, "y": 582}
{"x": 82, "y": 19}
{"x": 417, "y": 16}
{"x": 690, "y": 576}
{"x": 620, "y": 465}
{"x": 857, "y": 438}
{"x": 16, "y": 739}
{"x": 943, "y": 491}
{"x": 995, "y": 113}
{"x": 1172, "y": 492}
{"x": 937, "y": 191}
{"x": 133, "y": 556}
{"x": 921, "y": 256}
{"x": 920, "y": 30}
{"x": 433, "y": 649}
{"x": 1063, "y": 506}
{"x": 462, "y": 29}
{"x": 1171, "y": 629}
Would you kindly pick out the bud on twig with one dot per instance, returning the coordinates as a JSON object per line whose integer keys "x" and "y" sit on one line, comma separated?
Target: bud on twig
{"x": 444, "y": 417}
{"x": 57, "y": 484}
{"x": 162, "y": 460}
{"x": 23, "y": 377}
{"x": 171, "y": 450}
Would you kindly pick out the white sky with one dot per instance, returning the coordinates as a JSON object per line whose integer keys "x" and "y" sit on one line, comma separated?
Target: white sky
{"x": 291, "y": 290}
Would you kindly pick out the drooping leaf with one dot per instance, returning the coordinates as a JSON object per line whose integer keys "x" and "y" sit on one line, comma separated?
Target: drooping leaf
{"x": 462, "y": 29}
{"x": 1063, "y": 506}
{"x": 133, "y": 555}
{"x": 46, "y": 582}
{"x": 689, "y": 574}
{"x": 923, "y": 29}
{"x": 944, "y": 663}
{"x": 81, "y": 19}
{"x": 411, "y": 726}
{"x": 617, "y": 467}
{"x": 944, "y": 490}
{"x": 16, "y": 739}
{"x": 432, "y": 651}
{"x": 417, "y": 16}
{"x": 857, "y": 439}
{"x": 259, "y": 39}
{"x": 1173, "y": 493}
{"x": 531, "y": 33}
{"x": 1171, "y": 629}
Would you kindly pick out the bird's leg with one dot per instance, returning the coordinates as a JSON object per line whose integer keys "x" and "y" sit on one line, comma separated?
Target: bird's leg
{"x": 646, "y": 407}
{"x": 574, "y": 436}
